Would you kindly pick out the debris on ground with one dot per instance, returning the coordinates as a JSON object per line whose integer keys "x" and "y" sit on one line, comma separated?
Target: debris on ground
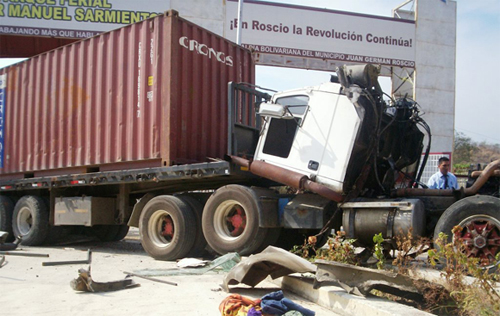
{"x": 2, "y": 261}
{"x": 129, "y": 274}
{"x": 192, "y": 263}
{"x": 23, "y": 254}
{"x": 4, "y": 246}
{"x": 236, "y": 304}
{"x": 276, "y": 303}
{"x": 84, "y": 283}
{"x": 273, "y": 303}
{"x": 222, "y": 264}
{"x": 361, "y": 281}
{"x": 58, "y": 263}
{"x": 273, "y": 261}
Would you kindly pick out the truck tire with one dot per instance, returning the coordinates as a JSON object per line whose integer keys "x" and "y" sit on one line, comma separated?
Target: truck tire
{"x": 6, "y": 210}
{"x": 31, "y": 220}
{"x": 230, "y": 221}
{"x": 271, "y": 238}
{"x": 290, "y": 238}
{"x": 122, "y": 232}
{"x": 167, "y": 228}
{"x": 105, "y": 233}
{"x": 54, "y": 233}
{"x": 200, "y": 243}
{"x": 479, "y": 217}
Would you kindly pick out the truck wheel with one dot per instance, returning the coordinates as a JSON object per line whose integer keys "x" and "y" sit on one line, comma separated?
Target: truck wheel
{"x": 271, "y": 238}
{"x": 167, "y": 228}
{"x": 231, "y": 221}
{"x": 54, "y": 233}
{"x": 479, "y": 218}
{"x": 289, "y": 238}
{"x": 122, "y": 232}
{"x": 31, "y": 220}
{"x": 105, "y": 233}
{"x": 6, "y": 210}
{"x": 200, "y": 243}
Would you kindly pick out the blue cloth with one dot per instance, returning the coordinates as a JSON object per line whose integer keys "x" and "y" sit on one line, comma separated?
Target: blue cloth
{"x": 437, "y": 181}
{"x": 253, "y": 312}
{"x": 276, "y": 304}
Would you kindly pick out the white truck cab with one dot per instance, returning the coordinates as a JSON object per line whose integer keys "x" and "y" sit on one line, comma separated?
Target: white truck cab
{"x": 311, "y": 131}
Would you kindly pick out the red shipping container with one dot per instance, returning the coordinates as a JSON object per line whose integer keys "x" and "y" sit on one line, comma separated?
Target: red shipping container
{"x": 149, "y": 94}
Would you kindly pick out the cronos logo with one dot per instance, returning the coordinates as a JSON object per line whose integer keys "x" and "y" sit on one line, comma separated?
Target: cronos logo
{"x": 203, "y": 49}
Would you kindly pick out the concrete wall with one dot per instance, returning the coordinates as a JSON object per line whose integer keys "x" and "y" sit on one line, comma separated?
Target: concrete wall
{"x": 209, "y": 14}
{"x": 435, "y": 71}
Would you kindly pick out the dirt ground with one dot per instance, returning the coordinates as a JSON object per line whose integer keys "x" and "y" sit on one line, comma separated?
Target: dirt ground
{"x": 28, "y": 288}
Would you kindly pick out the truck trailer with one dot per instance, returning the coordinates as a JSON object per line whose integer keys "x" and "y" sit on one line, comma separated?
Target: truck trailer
{"x": 158, "y": 125}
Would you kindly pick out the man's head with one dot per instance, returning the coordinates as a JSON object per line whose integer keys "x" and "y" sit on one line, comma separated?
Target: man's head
{"x": 444, "y": 165}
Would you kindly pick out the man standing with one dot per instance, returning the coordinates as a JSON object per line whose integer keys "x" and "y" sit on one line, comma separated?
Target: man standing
{"x": 443, "y": 179}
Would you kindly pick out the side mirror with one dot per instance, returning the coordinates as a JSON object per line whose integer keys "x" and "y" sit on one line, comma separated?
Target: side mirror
{"x": 274, "y": 110}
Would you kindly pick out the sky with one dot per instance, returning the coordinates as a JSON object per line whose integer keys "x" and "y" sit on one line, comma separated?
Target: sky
{"x": 477, "y": 111}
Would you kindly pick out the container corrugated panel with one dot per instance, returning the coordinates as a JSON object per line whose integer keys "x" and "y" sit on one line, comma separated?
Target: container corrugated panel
{"x": 149, "y": 94}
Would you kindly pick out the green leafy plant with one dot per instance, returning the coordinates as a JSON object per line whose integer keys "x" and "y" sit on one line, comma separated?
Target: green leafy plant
{"x": 378, "y": 250}
{"x": 408, "y": 248}
{"x": 305, "y": 250}
{"x": 340, "y": 249}
{"x": 461, "y": 168}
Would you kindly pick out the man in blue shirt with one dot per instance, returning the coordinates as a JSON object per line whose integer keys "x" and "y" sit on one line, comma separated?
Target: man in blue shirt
{"x": 443, "y": 179}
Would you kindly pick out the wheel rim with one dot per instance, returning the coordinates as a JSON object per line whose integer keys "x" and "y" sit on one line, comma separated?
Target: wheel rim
{"x": 24, "y": 221}
{"x": 230, "y": 220}
{"x": 161, "y": 228}
{"x": 480, "y": 235}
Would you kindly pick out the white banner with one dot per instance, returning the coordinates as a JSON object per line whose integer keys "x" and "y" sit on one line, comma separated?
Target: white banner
{"x": 283, "y": 35}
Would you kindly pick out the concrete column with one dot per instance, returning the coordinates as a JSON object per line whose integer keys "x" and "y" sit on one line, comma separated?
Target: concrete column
{"x": 435, "y": 71}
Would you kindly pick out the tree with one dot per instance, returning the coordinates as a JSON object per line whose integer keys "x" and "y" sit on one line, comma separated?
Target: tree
{"x": 463, "y": 149}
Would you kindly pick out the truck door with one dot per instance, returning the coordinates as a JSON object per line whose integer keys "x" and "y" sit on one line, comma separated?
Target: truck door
{"x": 319, "y": 140}
{"x": 298, "y": 143}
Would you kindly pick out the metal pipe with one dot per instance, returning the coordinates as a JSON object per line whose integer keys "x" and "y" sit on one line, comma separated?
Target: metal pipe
{"x": 23, "y": 254}
{"x": 241, "y": 161}
{"x": 422, "y": 192}
{"x": 287, "y": 177}
{"x": 240, "y": 22}
{"x": 150, "y": 279}
{"x": 394, "y": 11}
{"x": 323, "y": 191}
{"x": 58, "y": 263}
{"x": 268, "y": 171}
{"x": 476, "y": 174}
{"x": 483, "y": 177}
{"x": 278, "y": 174}
{"x": 491, "y": 170}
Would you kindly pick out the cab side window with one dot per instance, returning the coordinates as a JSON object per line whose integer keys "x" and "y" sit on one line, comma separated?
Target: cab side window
{"x": 282, "y": 132}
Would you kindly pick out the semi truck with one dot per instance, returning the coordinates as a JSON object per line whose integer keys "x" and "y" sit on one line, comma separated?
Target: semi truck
{"x": 159, "y": 126}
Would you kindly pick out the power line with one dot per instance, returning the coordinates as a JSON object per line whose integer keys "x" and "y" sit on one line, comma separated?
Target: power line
{"x": 464, "y": 130}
